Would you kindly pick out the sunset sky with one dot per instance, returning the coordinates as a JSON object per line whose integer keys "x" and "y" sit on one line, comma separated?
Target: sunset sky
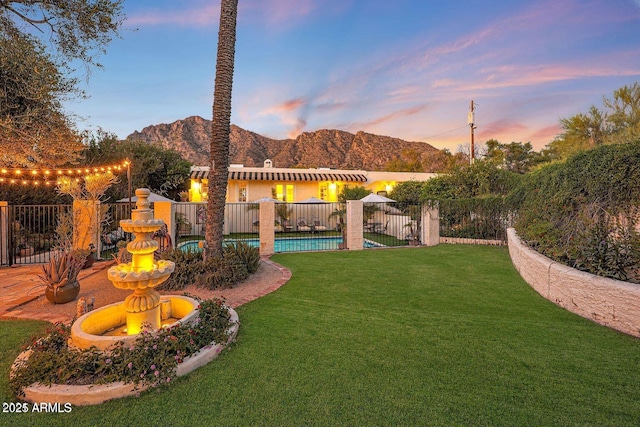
{"x": 403, "y": 68}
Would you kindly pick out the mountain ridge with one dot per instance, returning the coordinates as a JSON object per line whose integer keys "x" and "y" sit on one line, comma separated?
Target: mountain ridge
{"x": 330, "y": 148}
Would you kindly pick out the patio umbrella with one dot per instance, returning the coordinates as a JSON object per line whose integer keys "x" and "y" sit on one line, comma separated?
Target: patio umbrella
{"x": 153, "y": 197}
{"x": 311, "y": 200}
{"x": 267, "y": 199}
{"x": 376, "y": 198}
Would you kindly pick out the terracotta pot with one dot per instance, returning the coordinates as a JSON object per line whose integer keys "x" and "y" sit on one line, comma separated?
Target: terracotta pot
{"x": 63, "y": 294}
{"x": 28, "y": 251}
{"x": 89, "y": 261}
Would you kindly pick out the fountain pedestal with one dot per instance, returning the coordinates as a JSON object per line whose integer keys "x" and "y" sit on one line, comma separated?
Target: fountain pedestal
{"x": 144, "y": 308}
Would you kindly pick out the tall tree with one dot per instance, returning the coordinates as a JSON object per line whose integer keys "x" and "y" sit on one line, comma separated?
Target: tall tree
{"x": 618, "y": 122}
{"x": 514, "y": 157}
{"x": 76, "y": 29}
{"x": 221, "y": 127}
{"x": 161, "y": 170}
{"x": 34, "y": 129}
{"x": 40, "y": 42}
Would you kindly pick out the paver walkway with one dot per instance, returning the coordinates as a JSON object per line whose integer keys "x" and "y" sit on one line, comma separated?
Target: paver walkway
{"x": 22, "y": 292}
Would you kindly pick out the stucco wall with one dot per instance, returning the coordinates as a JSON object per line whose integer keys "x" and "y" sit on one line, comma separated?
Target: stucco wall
{"x": 609, "y": 302}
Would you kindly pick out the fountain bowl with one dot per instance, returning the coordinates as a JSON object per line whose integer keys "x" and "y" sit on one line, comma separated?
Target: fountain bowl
{"x": 103, "y": 327}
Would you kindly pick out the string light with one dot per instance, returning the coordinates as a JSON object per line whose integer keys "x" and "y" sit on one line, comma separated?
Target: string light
{"x": 48, "y": 176}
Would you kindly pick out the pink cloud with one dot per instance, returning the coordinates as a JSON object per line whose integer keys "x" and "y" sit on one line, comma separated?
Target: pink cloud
{"x": 495, "y": 129}
{"x": 286, "y": 106}
{"x": 396, "y": 115}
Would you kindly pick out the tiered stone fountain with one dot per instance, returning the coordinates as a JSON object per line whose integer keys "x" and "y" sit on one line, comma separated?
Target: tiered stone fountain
{"x": 144, "y": 308}
{"x": 124, "y": 321}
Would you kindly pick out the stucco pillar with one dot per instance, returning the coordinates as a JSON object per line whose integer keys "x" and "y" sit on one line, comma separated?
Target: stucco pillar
{"x": 4, "y": 233}
{"x": 86, "y": 218}
{"x": 355, "y": 240}
{"x": 166, "y": 212}
{"x": 267, "y": 228}
{"x": 430, "y": 225}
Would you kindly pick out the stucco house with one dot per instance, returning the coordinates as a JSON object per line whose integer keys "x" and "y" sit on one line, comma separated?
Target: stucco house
{"x": 247, "y": 184}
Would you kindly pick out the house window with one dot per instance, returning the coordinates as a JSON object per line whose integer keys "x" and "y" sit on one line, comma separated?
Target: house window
{"x": 242, "y": 192}
{"x": 284, "y": 192}
{"x": 324, "y": 191}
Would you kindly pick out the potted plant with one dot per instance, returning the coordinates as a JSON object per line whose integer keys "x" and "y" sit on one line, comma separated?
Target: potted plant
{"x": 61, "y": 277}
{"x": 25, "y": 249}
{"x": 85, "y": 257}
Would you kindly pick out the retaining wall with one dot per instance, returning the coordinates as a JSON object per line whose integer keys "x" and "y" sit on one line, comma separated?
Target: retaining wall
{"x": 611, "y": 303}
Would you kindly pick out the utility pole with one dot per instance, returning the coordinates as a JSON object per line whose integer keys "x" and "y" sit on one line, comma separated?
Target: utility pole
{"x": 472, "y": 126}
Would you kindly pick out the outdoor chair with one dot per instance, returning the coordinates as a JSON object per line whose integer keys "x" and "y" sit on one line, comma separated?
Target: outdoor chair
{"x": 381, "y": 228}
{"x": 317, "y": 226}
{"x": 286, "y": 225}
{"x": 303, "y": 226}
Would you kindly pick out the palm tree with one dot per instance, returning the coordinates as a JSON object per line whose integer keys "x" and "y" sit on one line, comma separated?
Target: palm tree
{"x": 220, "y": 129}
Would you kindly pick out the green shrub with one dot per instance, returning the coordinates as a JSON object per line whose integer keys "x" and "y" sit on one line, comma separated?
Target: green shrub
{"x": 583, "y": 212}
{"x": 609, "y": 249}
{"x": 222, "y": 272}
{"x": 188, "y": 267}
{"x": 249, "y": 255}
{"x": 237, "y": 262}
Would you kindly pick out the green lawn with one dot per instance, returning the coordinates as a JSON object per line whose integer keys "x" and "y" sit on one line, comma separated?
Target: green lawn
{"x": 448, "y": 335}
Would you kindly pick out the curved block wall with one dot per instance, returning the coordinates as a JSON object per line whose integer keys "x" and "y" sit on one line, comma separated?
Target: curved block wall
{"x": 612, "y": 303}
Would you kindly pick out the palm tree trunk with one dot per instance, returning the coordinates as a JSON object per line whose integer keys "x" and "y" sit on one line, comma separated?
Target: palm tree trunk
{"x": 221, "y": 127}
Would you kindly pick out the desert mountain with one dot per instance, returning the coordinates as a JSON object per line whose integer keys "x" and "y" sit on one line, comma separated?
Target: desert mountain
{"x": 323, "y": 148}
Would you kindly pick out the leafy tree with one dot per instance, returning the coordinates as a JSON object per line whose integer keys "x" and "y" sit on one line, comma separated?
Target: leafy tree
{"x": 483, "y": 178}
{"x": 75, "y": 28}
{"x": 407, "y": 193}
{"x": 515, "y": 157}
{"x": 352, "y": 193}
{"x": 29, "y": 194}
{"x": 221, "y": 127}
{"x": 161, "y": 170}
{"x": 624, "y": 114}
{"x": 408, "y": 196}
{"x": 34, "y": 129}
{"x": 617, "y": 122}
{"x": 413, "y": 162}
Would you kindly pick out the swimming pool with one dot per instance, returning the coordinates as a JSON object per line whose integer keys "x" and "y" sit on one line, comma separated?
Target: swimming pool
{"x": 295, "y": 244}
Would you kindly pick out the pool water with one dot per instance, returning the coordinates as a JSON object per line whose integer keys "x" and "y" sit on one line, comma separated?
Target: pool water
{"x": 289, "y": 245}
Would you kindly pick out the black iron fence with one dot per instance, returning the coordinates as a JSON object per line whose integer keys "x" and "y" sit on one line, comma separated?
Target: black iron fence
{"x": 485, "y": 219}
{"x": 30, "y": 229}
{"x": 112, "y": 234}
{"x": 31, "y": 232}
{"x": 391, "y": 224}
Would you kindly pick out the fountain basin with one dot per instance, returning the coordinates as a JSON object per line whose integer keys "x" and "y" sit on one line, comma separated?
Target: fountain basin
{"x": 94, "y": 394}
{"x": 102, "y": 328}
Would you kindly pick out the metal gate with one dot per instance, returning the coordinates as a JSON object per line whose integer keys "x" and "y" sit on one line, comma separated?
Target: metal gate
{"x": 28, "y": 232}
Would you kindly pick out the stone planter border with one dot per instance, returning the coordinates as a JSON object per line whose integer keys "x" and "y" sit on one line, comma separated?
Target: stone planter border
{"x": 612, "y": 303}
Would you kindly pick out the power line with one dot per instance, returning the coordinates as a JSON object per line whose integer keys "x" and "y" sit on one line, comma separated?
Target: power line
{"x": 446, "y": 132}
